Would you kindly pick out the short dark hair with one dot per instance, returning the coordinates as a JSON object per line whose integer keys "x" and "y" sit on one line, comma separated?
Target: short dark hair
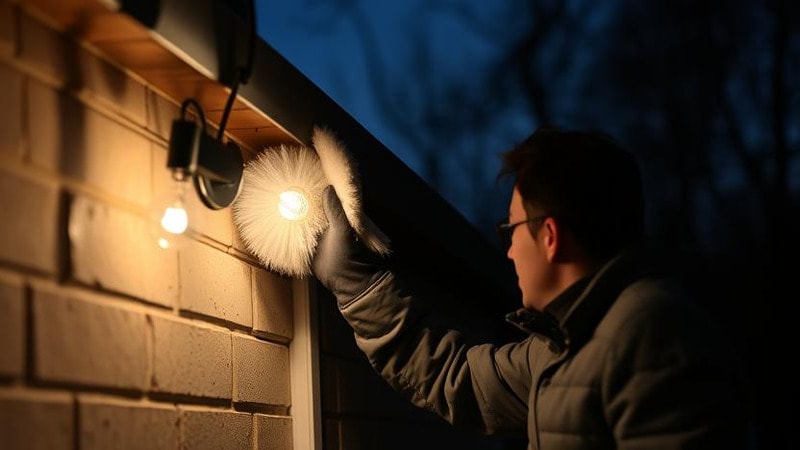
{"x": 586, "y": 180}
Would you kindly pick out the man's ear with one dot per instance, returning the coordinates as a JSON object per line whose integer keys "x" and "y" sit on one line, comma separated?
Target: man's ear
{"x": 551, "y": 237}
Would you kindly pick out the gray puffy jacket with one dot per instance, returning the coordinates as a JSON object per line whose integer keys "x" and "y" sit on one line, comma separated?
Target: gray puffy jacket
{"x": 631, "y": 364}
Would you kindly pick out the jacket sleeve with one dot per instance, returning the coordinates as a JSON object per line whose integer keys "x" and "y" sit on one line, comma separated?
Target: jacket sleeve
{"x": 475, "y": 388}
{"x": 481, "y": 387}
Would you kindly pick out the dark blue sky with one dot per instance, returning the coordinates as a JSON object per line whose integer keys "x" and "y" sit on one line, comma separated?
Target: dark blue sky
{"x": 322, "y": 40}
{"x": 678, "y": 92}
{"x": 322, "y": 45}
{"x": 706, "y": 94}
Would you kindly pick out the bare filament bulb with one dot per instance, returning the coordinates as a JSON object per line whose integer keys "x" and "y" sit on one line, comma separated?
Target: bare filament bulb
{"x": 175, "y": 220}
{"x": 169, "y": 219}
{"x": 292, "y": 204}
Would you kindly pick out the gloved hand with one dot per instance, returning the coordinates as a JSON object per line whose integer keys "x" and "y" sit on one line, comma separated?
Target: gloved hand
{"x": 342, "y": 263}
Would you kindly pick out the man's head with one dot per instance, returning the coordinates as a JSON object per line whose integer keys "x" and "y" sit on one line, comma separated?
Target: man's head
{"x": 586, "y": 192}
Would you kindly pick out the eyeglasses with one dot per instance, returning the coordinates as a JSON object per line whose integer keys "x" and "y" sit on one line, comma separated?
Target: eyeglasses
{"x": 505, "y": 230}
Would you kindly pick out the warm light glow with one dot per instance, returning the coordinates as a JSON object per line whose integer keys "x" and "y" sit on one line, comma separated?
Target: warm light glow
{"x": 169, "y": 219}
{"x": 277, "y": 213}
{"x": 293, "y": 205}
{"x": 175, "y": 220}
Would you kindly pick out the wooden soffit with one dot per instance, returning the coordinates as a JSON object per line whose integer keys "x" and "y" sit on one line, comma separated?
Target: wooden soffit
{"x": 147, "y": 39}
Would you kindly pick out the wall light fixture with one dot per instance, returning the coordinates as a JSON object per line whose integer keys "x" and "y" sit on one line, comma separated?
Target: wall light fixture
{"x": 214, "y": 166}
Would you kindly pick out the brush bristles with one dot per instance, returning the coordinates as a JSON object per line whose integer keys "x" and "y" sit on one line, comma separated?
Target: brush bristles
{"x": 341, "y": 171}
{"x": 284, "y": 246}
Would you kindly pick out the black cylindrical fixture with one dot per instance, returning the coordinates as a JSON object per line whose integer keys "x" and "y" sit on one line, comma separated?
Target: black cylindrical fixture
{"x": 184, "y": 143}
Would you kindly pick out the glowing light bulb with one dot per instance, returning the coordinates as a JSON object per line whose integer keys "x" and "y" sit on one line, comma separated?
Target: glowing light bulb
{"x": 175, "y": 220}
{"x": 292, "y": 204}
{"x": 169, "y": 219}
{"x": 163, "y": 243}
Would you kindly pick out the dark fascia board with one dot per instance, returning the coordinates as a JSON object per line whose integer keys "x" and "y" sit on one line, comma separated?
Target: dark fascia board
{"x": 396, "y": 198}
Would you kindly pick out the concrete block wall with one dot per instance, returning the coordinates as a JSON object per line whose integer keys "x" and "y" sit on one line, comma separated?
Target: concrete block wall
{"x": 107, "y": 341}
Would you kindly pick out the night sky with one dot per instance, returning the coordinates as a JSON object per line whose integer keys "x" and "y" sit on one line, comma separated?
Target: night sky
{"x": 705, "y": 94}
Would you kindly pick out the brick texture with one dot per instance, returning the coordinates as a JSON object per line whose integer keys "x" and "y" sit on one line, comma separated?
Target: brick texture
{"x": 160, "y": 114}
{"x": 357, "y": 435}
{"x": 272, "y": 305}
{"x": 336, "y": 335}
{"x": 65, "y": 62}
{"x": 220, "y": 285}
{"x": 45, "y": 51}
{"x": 216, "y": 430}
{"x": 69, "y": 138}
{"x": 191, "y": 360}
{"x": 113, "y": 424}
{"x": 31, "y": 210}
{"x": 368, "y": 394}
{"x": 273, "y": 432}
{"x": 12, "y": 327}
{"x": 111, "y": 87}
{"x": 114, "y": 249}
{"x": 107, "y": 341}
{"x": 7, "y": 29}
{"x": 260, "y": 372}
{"x": 11, "y": 102}
{"x": 332, "y": 433}
{"x": 36, "y": 421}
{"x": 79, "y": 341}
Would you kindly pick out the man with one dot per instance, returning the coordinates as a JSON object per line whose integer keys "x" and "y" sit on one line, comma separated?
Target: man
{"x": 616, "y": 356}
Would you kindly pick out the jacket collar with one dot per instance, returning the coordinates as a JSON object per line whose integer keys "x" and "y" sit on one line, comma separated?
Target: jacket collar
{"x": 570, "y": 319}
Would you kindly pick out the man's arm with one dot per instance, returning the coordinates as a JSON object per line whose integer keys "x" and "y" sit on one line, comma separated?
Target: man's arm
{"x": 409, "y": 346}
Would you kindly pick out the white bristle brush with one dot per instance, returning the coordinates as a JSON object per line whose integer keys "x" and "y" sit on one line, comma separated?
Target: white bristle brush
{"x": 287, "y": 246}
{"x": 284, "y": 246}
{"x": 342, "y": 173}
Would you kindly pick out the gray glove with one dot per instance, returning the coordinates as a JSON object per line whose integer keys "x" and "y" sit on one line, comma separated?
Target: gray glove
{"x": 342, "y": 263}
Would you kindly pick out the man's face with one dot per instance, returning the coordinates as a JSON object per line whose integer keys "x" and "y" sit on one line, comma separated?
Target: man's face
{"x": 529, "y": 254}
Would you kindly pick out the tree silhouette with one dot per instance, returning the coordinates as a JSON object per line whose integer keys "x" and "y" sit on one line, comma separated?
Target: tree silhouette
{"x": 706, "y": 93}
